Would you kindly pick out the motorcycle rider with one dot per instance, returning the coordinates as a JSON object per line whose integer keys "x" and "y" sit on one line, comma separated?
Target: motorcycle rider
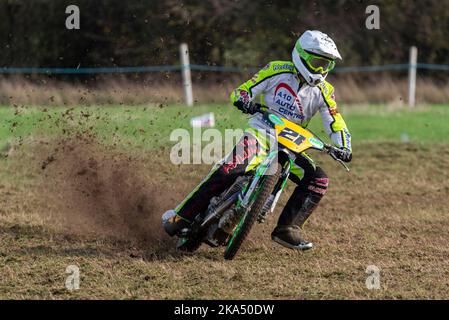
{"x": 295, "y": 90}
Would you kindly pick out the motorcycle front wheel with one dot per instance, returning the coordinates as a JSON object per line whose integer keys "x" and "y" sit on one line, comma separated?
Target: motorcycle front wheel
{"x": 242, "y": 230}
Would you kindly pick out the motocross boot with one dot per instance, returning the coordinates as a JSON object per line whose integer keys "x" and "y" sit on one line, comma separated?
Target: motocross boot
{"x": 173, "y": 223}
{"x": 290, "y": 237}
{"x": 295, "y": 214}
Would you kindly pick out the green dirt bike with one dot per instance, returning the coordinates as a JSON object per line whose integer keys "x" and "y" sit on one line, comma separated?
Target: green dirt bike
{"x": 230, "y": 216}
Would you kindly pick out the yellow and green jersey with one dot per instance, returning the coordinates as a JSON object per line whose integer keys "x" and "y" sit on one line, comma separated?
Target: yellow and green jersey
{"x": 278, "y": 87}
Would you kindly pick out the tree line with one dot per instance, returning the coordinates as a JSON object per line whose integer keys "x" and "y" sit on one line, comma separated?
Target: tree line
{"x": 219, "y": 32}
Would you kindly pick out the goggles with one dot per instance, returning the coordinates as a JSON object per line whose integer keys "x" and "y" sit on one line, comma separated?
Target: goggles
{"x": 315, "y": 63}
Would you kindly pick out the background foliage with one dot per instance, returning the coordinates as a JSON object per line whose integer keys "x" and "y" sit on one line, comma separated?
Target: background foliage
{"x": 222, "y": 32}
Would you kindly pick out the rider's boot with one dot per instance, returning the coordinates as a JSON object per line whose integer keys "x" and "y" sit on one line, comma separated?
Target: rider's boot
{"x": 292, "y": 219}
{"x": 290, "y": 237}
{"x": 173, "y": 223}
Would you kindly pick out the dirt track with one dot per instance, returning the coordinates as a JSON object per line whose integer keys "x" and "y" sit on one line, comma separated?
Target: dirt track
{"x": 97, "y": 207}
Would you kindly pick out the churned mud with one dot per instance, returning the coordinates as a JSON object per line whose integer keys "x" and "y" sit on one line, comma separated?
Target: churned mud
{"x": 92, "y": 189}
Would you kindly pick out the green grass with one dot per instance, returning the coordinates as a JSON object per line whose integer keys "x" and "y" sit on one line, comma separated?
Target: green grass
{"x": 150, "y": 127}
{"x": 429, "y": 124}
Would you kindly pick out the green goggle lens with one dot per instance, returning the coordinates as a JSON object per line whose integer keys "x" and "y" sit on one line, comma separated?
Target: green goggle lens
{"x": 316, "y": 63}
{"x": 319, "y": 63}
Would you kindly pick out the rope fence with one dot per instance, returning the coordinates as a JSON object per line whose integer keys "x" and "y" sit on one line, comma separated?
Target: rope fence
{"x": 208, "y": 68}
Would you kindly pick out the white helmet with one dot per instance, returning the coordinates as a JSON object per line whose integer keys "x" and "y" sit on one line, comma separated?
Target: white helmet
{"x": 314, "y": 56}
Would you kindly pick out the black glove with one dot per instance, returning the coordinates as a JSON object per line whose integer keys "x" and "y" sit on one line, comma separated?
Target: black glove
{"x": 342, "y": 154}
{"x": 246, "y": 106}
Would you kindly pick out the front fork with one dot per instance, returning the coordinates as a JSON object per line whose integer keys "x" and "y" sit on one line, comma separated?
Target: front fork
{"x": 251, "y": 191}
{"x": 271, "y": 203}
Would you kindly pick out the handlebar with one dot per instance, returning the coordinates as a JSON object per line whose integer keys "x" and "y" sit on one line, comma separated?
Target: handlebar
{"x": 259, "y": 108}
{"x": 328, "y": 149}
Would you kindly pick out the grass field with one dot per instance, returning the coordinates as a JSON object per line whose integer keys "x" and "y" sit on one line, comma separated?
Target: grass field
{"x": 150, "y": 127}
{"x": 86, "y": 186}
